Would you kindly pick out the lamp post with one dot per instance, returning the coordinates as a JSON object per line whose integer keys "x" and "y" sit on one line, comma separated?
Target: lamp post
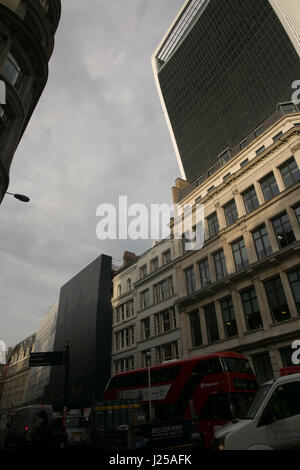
{"x": 148, "y": 357}
{"x": 20, "y": 197}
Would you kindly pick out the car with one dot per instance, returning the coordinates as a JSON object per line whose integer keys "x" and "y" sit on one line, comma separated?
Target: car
{"x": 75, "y": 428}
{"x": 272, "y": 421}
{"x": 21, "y": 424}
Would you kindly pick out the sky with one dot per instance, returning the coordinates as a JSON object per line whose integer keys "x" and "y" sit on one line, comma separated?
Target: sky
{"x": 98, "y": 132}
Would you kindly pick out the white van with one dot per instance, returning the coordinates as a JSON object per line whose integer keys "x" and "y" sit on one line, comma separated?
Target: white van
{"x": 272, "y": 421}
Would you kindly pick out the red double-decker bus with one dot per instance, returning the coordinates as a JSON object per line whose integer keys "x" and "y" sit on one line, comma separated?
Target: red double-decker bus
{"x": 214, "y": 389}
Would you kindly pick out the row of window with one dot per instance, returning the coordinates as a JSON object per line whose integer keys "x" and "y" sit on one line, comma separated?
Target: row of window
{"x": 124, "y": 338}
{"x": 288, "y": 108}
{"x": 124, "y": 311}
{"x": 163, "y": 353}
{"x": 290, "y": 175}
{"x": 277, "y": 302}
{"x": 284, "y": 234}
{"x": 163, "y": 322}
{"x": 155, "y": 265}
{"x": 263, "y": 365}
{"x": 161, "y": 291}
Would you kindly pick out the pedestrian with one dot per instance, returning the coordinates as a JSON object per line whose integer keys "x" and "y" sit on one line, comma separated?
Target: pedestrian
{"x": 41, "y": 435}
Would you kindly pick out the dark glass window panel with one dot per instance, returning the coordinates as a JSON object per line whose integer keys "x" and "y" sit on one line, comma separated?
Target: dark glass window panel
{"x": 195, "y": 329}
{"x": 225, "y": 157}
{"x": 260, "y": 150}
{"x": 228, "y": 317}
{"x": 244, "y": 163}
{"x": 262, "y": 242}
{"x": 250, "y": 199}
{"x": 294, "y": 278}
{"x": 283, "y": 230}
{"x": 258, "y": 132}
{"x": 277, "y": 136}
{"x": 213, "y": 224}
{"x": 290, "y": 172}
{"x": 211, "y": 323}
{"x": 204, "y": 273}
{"x": 269, "y": 187}
{"x": 231, "y": 213}
{"x": 12, "y": 71}
{"x": 288, "y": 108}
{"x": 220, "y": 265}
{"x": 277, "y": 300}
{"x": 240, "y": 254}
{"x": 190, "y": 280}
{"x": 263, "y": 367}
{"x": 251, "y": 309}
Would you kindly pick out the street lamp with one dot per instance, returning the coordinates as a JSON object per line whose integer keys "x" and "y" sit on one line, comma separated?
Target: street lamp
{"x": 148, "y": 358}
{"x": 20, "y": 197}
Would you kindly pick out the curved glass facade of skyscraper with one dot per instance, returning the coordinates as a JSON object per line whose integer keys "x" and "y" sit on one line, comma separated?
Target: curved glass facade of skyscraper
{"x": 220, "y": 73}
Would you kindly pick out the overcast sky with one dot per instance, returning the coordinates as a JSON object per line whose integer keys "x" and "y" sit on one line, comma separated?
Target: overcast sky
{"x": 98, "y": 132}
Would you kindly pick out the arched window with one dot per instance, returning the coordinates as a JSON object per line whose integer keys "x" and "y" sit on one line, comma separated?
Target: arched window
{"x": 129, "y": 284}
{"x": 119, "y": 290}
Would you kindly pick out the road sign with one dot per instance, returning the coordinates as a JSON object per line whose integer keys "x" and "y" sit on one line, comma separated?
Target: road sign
{"x": 56, "y": 358}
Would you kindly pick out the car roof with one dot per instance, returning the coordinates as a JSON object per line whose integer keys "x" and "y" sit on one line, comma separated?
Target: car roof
{"x": 283, "y": 379}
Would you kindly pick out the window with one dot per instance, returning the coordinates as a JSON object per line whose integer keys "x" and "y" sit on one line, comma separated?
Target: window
{"x": 122, "y": 365}
{"x": 195, "y": 329}
{"x": 128, "y": 284}
{"x": 284, "y": 402}
{"x": 244, "y": 162}
{"x": 211, "y": 323}
{"x": 204, "y": 273}
{"x": 277, "y": 136}
{"x": 263, "y": 367}
{"x": 210, "y": 189}
{"x": 145, "y": 299}
{"x": 260, "y": 150}
{"x": 220, "y": 265}
{"x": 231, "y": 213}
{"x": 167, "y": 257}
{"x": 283, "y": 230}
{"x": 240, "y": 254}
{"x": 228, "y": 317}
{"x": 243, "y": 145}
{"x": 154, "y": 264}
{"x": 213, "y": 224}
{"x": 297, "y": 213}
{"x": 167, "y": 352}
{"x": 124, "y": 338}
{"x": 262, "y": 242}
{"x": 211, "y": 171}
{"x": 163, "y": 289}
{"x": 287, "y": 108}
{"x": 290, "y": 172}
{"x": 165, "y": 321}
{"x": 44, "y": 4}
{"x": 198, "y": 200}
{"x": 258, "y": 131}
{"x": 294, "y": 279}
{"x": 119, "y": 290}
{"x": 146, "y": 328}
{"x": 277, "y": 300}
{"x": 143, "y": 271}
{"x": 128, "y": 308}
{"x": 250, "y": 199}
{"x": 251, "y": 309}
{"x": 286, "y": 357}
{"x": 269, "y": 187}
{"x": 225, "y": 157}
{"x": 226, "y": 176}
{"x": 12, "y": 72}
{"x": 190, "y": 280}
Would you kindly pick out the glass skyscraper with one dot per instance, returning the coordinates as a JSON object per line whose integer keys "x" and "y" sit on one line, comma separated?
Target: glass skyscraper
{"x": 222, "y": 68}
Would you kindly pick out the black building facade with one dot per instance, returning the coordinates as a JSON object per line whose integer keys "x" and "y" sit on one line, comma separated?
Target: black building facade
{"x": 85, "y": 320}
{"x": 221, "y": 72}
{"x": 27, "y": 30}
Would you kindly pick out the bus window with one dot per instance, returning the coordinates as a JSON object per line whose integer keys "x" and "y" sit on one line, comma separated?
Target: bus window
{"x": 234, "y": 364}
